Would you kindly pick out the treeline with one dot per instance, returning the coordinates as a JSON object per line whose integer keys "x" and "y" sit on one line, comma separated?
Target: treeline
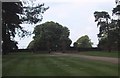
{"x": 70, "y": 49}
{"x": 53, "y": 36}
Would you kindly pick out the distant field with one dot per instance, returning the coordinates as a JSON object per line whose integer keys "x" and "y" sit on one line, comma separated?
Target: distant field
{"x": 101, "y": 53}
{"x": 28, "y": 64}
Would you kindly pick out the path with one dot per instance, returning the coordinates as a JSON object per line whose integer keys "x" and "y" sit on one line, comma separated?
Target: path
{"x": 106, "y": 59}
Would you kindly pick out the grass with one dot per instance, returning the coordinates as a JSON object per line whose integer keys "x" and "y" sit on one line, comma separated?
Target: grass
{"x": 101, "y": 53}
{"x": 0, "y": 65}
{"x": 26, "y": 64}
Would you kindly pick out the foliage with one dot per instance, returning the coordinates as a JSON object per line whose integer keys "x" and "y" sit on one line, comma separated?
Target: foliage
{"x": 83, "y": 42}
{"x": 33, "y": 13}
{"x": 116, "y": 11}
{"x": 14, "y": 14}
{"x": 102, "y": 21}
{"x": 50, "y": 35}
{"x": 75, "y": 45}
{"x": 109, "y": 29}
{"x": 10, "y": 21}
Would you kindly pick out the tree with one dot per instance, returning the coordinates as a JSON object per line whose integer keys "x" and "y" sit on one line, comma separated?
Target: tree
{"x": 75, "y": 45}
{"x": 51, "y": 36}
{"x": 31, "y": 45}
{"x": 33, "y": 13}
{"x": 14, "y": 14}
{"x": 116, "y": 11}
{"x": 10, "y": 21}
{"x": 109, "y": 29}
{"x": 84, "y": 42}
{"x": 102, "y": 19}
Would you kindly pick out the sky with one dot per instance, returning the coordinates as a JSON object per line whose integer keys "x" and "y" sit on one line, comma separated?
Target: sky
{"x": 77, "y": 15}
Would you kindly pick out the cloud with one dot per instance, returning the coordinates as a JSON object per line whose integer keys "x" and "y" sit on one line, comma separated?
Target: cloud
{"x": 76, "y": 1}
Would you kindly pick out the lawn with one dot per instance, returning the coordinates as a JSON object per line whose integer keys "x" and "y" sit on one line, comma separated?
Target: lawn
{"x": 27, "y": 64}
{"x": 101, "y": 53}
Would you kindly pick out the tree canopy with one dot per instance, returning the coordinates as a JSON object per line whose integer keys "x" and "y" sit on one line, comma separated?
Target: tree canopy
{"x": 83, "y": 42}
{"x": 109, "y": 29}
{"x": 50, "y": 35}
{"x": 116, "y": 11}
{"x": 14, "y": 14}
{"x": 10, "y": 22}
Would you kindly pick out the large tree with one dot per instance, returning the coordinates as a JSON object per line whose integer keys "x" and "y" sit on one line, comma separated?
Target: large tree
{"x": 116, "y": 11}
{"x": 14, "y": 14}
{"x": 83, "y": 42}
{"x": 50, "y": 36}
{"x": 109, "y": 29}
{"x": 102, "y": 19}
{"x": 10, "y": 22}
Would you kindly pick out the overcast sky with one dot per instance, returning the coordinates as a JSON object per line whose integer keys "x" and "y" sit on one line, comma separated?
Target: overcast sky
{"x": 77, "y": 15}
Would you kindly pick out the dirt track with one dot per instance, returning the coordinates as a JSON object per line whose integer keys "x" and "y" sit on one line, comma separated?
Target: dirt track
{"x": 106, "y": 59}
